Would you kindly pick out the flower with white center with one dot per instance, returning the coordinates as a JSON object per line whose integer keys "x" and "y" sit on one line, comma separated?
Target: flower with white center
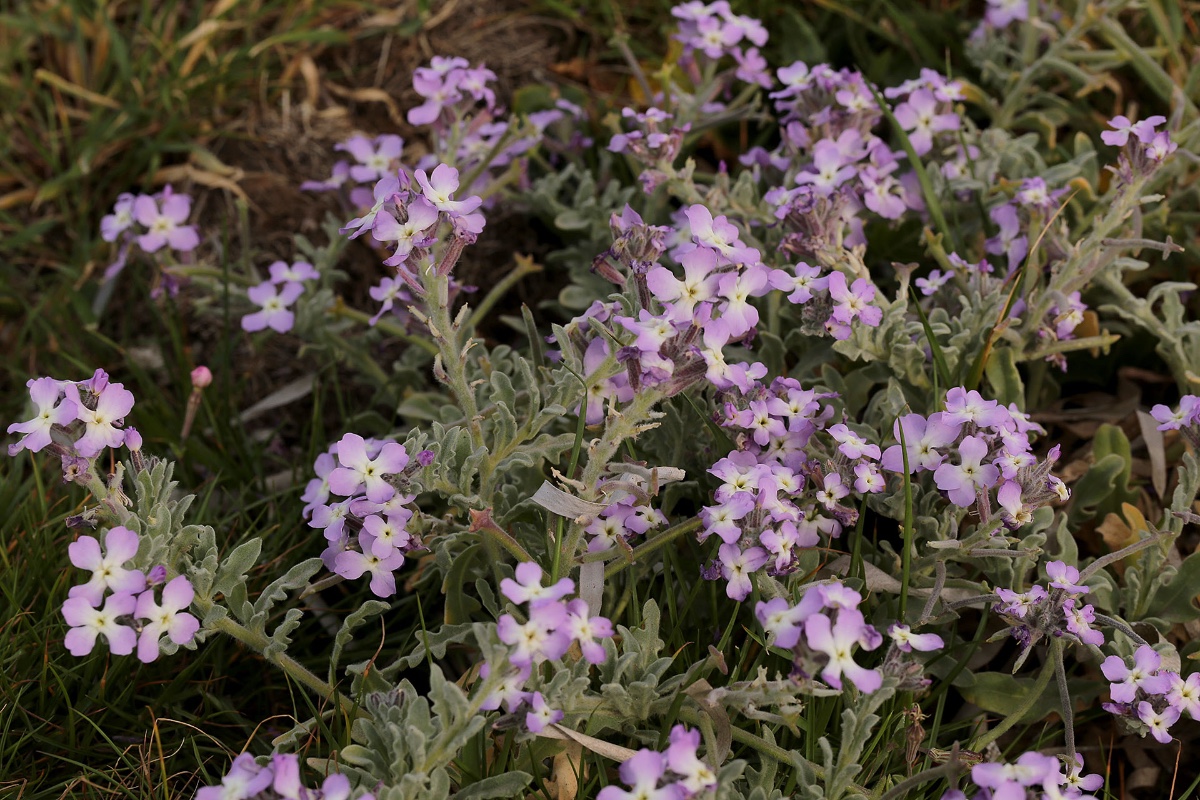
{"x": 88, "y": 622}
{"x": 171, "y": 617}
{"x": 45, "y": 393}
{"x": 358, "y": 471}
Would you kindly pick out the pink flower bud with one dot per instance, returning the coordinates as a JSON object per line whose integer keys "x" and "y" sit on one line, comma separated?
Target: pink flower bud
{"x": 201, "y": 377}
{"x": 133, "y": 440}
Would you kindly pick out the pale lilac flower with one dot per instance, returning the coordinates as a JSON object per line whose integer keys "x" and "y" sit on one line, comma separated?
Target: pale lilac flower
{"x": 45, "y": 393}
{"x": 540, "y": 716}
{"x": 1159, "y": 722}
{"x": 111, "y": 405}
{"x": 1064, "y": 577}
{"x": 683, "y": 760}
{"x": 719, "y": 235}
{"x": 543, "y": 638}
{"x": 528, "y": 585}
{"x": 245, "y": 779}
{"x": 1122, "y": 126}
{"x": 375, "y": 158}
{"x": 406, "y": 235}
{"x": 642, "y": 773}
{"x": 838, "y": 641}
{"x": 358, "y": 470}
{"x": 1126, "y": 682}
{"x": 165, "y": 223}
{"x": 1079, "y": 622}
{"x": 316, "y": 492}
{"x": 722, "y": 519}
{"x": 908, "y": 641}
{"x": 87, "y": 622}
{"x": 922, "y": 437}
{"x": 114, "y": 224}
{"x": 586, "y": 630}
{"x": 1184, "y": 695}
{"x": 440, "y": 185}
{"x": 962, "y": 481}
{"x": 274, "y": 303}
{"x": 352, "y": 565}
{"x": 108, "y": 572}
{"x": 1002, "y": 13}
{"x": 851, "y": 444}
{"x": 286, "y": 770}
{"x": 1019, "y": 604}
{"x": 963, "y": 406}
{"x": 853, "y": 302}
{"x": 919, "y": 116}
{"x": 867, "y": 479}
{"x": 1160, "y": 147}
{"x": 282, "y": 272}
{"x": 832, "y": 491}
{"x": 388, "y": 532}
{"x": 510, "y": 692}
{"x": 385, "y": 190}
{"x": 829, "y": 169}
{"x": 1011, "y": 780}
{"x": 681, "y": 297}
{"x": 737, "y": 566}
{"x": 171, "y": 617}
{"x": 1189, "y": 407}
{"x": 784, "y": 621}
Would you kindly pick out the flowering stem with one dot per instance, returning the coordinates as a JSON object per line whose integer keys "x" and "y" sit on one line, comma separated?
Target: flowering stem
{"x": 446, "y": 334}
{"x": 392, "y": 329}
{"x": 1124, "y": 552}
{"x": 906, "y": 556}
{"x": 619, "y": 426}
{"x": 294, "y": 669}
{"x": 657, "y": 543}
{"x": 1064, "y": 694}
{"x": 525, "y": 266}
{"x": 1031, "y": 700}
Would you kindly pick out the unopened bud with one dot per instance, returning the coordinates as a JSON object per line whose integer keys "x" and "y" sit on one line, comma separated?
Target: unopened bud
{"x": 201, "y": 377}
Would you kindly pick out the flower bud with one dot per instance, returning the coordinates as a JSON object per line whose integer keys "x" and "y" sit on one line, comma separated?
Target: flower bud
{"x": 201, "y": 377}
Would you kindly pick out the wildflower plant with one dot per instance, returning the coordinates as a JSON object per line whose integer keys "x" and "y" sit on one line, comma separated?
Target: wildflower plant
{"x": 741, "y": 396}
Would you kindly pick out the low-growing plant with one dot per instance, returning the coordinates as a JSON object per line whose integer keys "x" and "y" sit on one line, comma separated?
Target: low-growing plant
{"x": 759, "y": 496}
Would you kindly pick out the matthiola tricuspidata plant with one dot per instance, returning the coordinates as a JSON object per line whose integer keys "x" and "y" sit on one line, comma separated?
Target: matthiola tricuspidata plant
{"x": 817, "y": 472}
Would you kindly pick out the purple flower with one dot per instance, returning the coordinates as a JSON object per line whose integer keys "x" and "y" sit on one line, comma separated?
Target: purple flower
{"x": 510, "y": 693}
{"x": 963, "y": 406}
{"x": 375, "y": 158}
{"x": 528, "y": 585}
{"x": 408, "y": 234}
{"x": 171, "y": 617}
{"x": 245, "y": 779}
{"x": 282, "y": 272}
{"x": 165, "y": 223}
{"x": 440, "y": 185}
{"x": 737, "y": 566}
{"x": 1126, "y": 682}
{"x": 1159, "y": 722}
{"x": 1020, "y": 604}
{"x": 388, "y": 532}
{"x": 832, "y": 491}
{"x": 116, "y": 223}
{"x": 358, "y": 470}
{"x": 838, "y": 641}
{"x": 274, "y": 303}
{"x": 1122, "y": 127}
{"x": 867, "y": 478}
{"x": 385, "y": 190}
{"x": 540, "y": 715}
{"x": 586, "y": 630}
{"x": 543, "y": 638}
{"x": 1079, "y": 622}
{"x": 108, "y": 574}
{"x": 1011, "y": 780}
{"x": 853, "y": 302}
{"x": 719, "y": 235}
{"x": 87, "y": 622}
{"x": 642, "y": 773}
{"x": 784, "y": 621}
{"x": 683, "y": 760}
{"x": 919, "y": 116}
{"x": 962, "y": 481}
{"x": 851, "y": 444}
{"x": 1184, "y": 695}
{"x": 111, "y": 403}
{"x": 922, "y": 438}
{"x": 1189, "y": 407}
{"x": 908, "y": 641}
{"x": 45, "y": 394}
{"x": 353, "y": 565}
{"x": 1064, "y": 577}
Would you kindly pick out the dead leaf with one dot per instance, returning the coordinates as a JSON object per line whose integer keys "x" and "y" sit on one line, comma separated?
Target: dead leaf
{"x": 598, "y": 746}
{"x": 563, "y": 783}
{"x": 1157, "y": 451}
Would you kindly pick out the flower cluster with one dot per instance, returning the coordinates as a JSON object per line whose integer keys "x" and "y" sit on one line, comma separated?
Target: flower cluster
{"x": 551, "y": 626}
{"x": 676, "y": 774}
{"x": 130, "y": 616}
{"x": 278, "y": 779}
{"x": 650, "y": 143}
{"x": 365, "y": 530}
{"x": 151, "y": 222}
{"x": 1148, "y": 694}
{"x": 1050, "y": 612}
{"x": 1144, "y": 147}
{"x": 87, "y": 417}
{"x": 823, "y": 629}
{"x": 622, "y": 520}
{"x": 1185, "y": 418}
{"x": 275, "y": 296}
{"x": 992, "y": 446}
{"x": 1033, "y": 775}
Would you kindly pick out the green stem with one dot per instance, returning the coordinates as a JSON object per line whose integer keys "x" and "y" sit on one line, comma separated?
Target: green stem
{"x": 1031, "y": 700}
{"x": 525, "y": 266}
{"x": 294, "y": 669}
{"x": 388, "y": 327}
{"x": 657, "y": 543}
